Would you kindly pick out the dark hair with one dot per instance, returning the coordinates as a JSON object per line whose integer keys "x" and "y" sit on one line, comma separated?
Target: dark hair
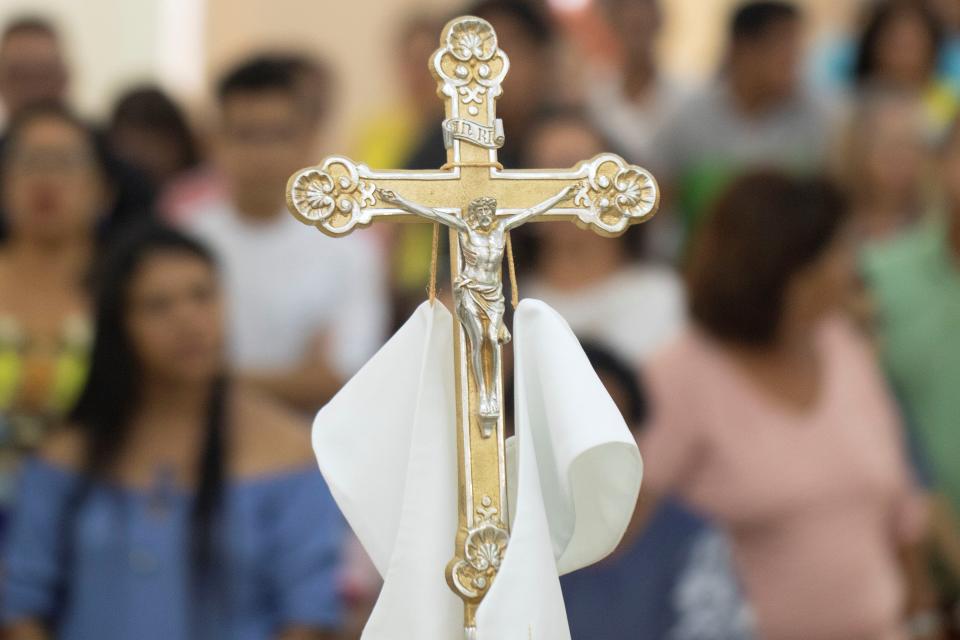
{"x": 605, "y": 362}
{"x": 881, "y": 15}
{"x": 307, "y": 80}
{"x": 753, "y": 20}
{"x": 762, "y": 231}
{"x": 528, "y": 14}
{"x": 148, "y": 107}
{"x": 34, "y": 24}
{"x": 109, "y": 399}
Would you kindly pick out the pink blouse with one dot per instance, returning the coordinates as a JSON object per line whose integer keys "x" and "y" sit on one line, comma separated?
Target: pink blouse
{"x": 815, "y": 503}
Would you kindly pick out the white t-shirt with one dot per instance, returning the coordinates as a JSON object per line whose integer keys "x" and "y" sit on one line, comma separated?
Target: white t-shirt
{"x": 288, "y": 284}
{"x": 634, "y": 312}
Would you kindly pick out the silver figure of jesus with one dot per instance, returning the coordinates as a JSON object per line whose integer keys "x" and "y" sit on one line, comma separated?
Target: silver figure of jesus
{"x": 478, "y": 290}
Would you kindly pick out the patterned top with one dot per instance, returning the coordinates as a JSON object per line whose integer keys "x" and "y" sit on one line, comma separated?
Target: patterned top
{"x": 39, "y": 382}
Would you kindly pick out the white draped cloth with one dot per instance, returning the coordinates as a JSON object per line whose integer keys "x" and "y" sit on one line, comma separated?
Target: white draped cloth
{"x": 386, "y": 445}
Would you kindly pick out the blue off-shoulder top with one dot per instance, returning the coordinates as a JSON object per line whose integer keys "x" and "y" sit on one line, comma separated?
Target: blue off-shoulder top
{"x": 117, "y": 565}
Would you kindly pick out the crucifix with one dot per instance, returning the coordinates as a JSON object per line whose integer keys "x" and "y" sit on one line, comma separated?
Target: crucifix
{"x": 480, "y": 202}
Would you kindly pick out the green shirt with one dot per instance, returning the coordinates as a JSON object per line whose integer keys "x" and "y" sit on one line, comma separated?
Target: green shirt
{"x": 915, "y": 283}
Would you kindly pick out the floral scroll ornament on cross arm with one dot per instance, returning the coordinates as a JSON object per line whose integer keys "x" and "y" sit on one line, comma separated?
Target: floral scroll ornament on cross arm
{"x": 332, "y": 196}
{"x": 616, "y": 194}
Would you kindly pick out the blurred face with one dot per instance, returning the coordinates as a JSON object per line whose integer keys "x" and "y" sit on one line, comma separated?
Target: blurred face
{"x": 904, "y": 53}
{"x": 31, "y": 70}
{"x": 770, "y": 63}
{"x": 893, "y": 150}
{"x": 562, "y": 144}
{"x": 175, "y": 318}
{"x": 265, "y": 137}
{"x": 827, "y": 283}
{"x": 53, "y": 188}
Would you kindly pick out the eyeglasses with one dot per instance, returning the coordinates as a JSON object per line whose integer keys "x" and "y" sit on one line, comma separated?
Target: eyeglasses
{"x": 49, "y": 161}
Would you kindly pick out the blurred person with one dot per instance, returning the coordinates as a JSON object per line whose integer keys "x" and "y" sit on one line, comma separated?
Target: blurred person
{"x": 756, "y": 113}
{"x": 526, "y": 34}
{"x": 675, "y": 582}
{"x": 389, "y": 137}
{"x": 900, "y": 48}
{"x": 632, "y": 104}
{"x": 205, "y": 187}
{"x": 32, "y": 66}
{"x": 177, "y": 504}
{"x": 885, "y": 165}
{"x": 915, "y": 283}
{"x": 771, "y": 416}
{"x": 149, "y": 131}
{"x": 55, "y": 184}
{"x": 607, "y": 295}
{"x": 306, "y": 310}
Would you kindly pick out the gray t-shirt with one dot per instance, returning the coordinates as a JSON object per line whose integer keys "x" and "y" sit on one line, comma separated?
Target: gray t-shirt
{"x": 710, "y": 140}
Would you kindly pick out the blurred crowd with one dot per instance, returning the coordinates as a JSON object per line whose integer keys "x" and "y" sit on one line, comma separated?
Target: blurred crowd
{"x": 784, "y": 337}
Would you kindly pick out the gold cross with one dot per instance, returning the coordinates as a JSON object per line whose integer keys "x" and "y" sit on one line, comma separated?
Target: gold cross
{"x": 604, "y": 194}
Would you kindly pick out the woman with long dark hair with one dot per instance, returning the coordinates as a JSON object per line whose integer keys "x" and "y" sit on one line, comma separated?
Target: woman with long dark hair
{"x": 771, "y": 416}
{"x": 176, "y": 505}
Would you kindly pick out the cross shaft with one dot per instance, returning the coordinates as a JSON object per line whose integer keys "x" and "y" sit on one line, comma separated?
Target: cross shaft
{"x": 604, "y": 194}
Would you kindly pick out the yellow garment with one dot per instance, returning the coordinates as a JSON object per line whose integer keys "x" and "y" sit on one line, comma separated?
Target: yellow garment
{"x": 387, "y": 141}
{"x": 941, "y": 104}
{"x": 39, "y": 380}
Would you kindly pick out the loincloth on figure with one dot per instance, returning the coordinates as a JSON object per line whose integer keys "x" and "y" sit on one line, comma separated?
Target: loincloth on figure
{"x": 482, "y": 300}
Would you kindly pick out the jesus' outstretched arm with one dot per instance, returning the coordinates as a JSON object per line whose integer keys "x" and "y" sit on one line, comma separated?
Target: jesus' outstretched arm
{"x": 534, "y": 211}
{"x": 396, "y": 200}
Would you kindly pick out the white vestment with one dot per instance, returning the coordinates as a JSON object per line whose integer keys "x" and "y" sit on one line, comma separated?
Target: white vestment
{"x": 386, "y": 445}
